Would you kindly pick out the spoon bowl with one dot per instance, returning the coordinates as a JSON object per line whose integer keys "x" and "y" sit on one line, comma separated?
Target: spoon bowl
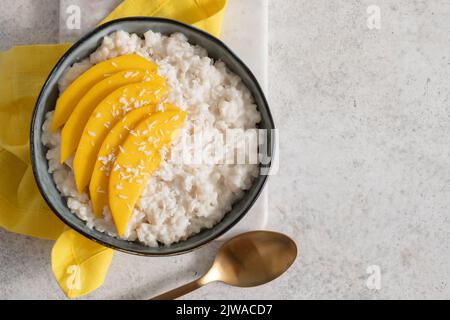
{"x": 254, "y": 258}
{"x": 247, "y": 260}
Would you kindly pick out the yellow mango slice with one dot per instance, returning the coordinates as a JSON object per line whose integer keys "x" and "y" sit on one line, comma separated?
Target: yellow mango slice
{"x": 73, "y": 129}
{"x": 138, "y": 158}
{"x": 104, "y": 117}
{"x": 73, "y": 94}
{"x": 98, "y": 187}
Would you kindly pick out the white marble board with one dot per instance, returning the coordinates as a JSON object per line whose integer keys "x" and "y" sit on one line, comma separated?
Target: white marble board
{"x": 245, "y": 31}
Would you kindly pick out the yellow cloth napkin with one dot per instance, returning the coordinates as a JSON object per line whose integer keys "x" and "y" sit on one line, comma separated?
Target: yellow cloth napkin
{"x": 23, "y": 70}
{"x": 78, "y": 264}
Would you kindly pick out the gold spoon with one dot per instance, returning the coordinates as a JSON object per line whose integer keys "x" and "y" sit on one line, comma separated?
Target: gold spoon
{"x": 247, "y": 260}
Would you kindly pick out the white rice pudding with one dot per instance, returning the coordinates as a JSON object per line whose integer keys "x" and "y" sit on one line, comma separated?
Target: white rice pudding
{"x": 179, "y": 200}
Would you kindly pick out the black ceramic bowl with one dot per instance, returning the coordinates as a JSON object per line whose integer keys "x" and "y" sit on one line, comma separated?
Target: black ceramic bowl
{"x": 47, "y": 101}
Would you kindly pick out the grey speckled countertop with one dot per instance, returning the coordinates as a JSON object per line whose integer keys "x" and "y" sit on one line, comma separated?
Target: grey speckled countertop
{"x": 364, "y": 178}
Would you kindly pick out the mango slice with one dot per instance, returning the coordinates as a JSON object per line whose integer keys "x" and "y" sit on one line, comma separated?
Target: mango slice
{"x": 104, "y": 117}
{"x": 73, "y": 94}
{"x": 73, "y": 129}
{"x": 98, "y": 187}
{"x": 138, "y": 159}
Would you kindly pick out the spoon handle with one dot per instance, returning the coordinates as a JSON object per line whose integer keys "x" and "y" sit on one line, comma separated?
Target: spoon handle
{"x": 180, "y": 291}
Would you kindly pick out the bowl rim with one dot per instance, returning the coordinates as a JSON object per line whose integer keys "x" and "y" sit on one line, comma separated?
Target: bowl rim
{"x": 44, "y": 88}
